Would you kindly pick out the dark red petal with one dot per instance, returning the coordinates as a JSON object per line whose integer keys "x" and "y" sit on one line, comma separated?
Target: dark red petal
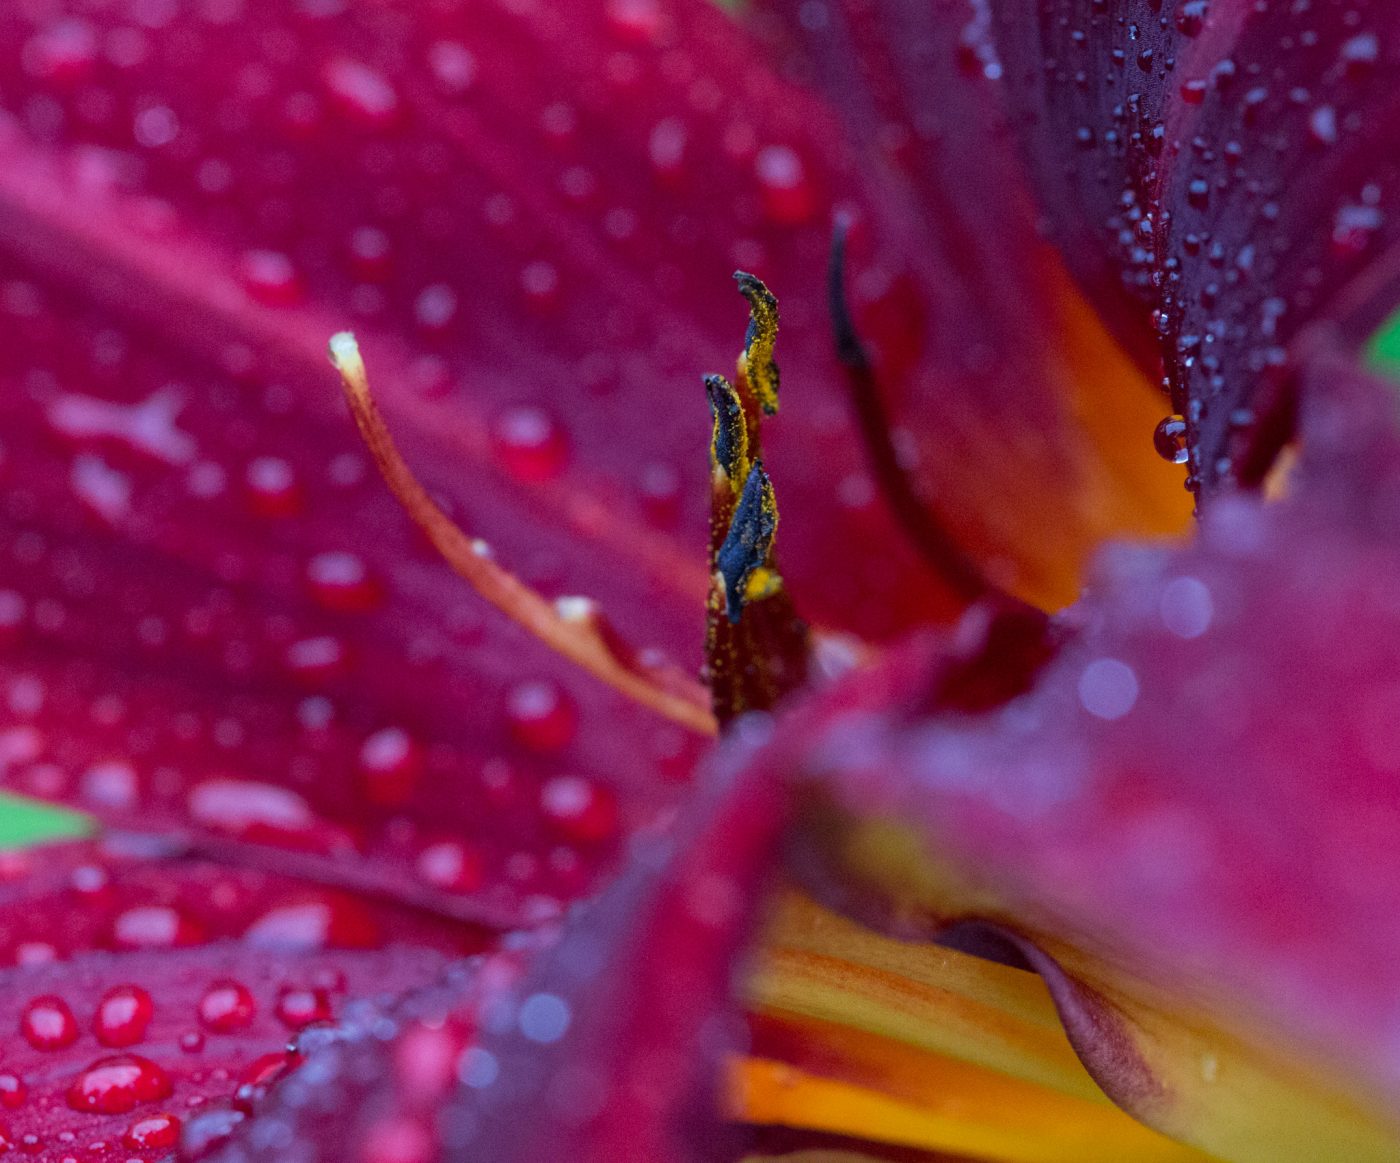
{"x": 990, "y": 366}
{"x": 119, "y": 1033}
{"x": 1086, "y": 87}
{"x": 1196, "y": 799}
{"x": 606, "y": 1049}
{"x": 1278, "y": 208}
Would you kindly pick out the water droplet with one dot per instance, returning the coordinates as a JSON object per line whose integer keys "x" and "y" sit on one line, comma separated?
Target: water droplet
{"x": 48, "y": 1024}
{"x": 155, "y": 927}
{"x": 123, "y": 1015}
{"x": 317, "y": 660}
{"x": 391, "y": 761}
{"x": 530, "y": 443}
{"x": 452, "y": 866}
{"x": 115, "y": 1085}
{"x": 579, "y": 809}
{"x": 154, "y": 1132}
{"x": 539, "y": 281}
{"x": 541, "y": 716}
{"x": 452, "y": 65}
{"x": 1169, "y": 440}
{"x": 1186, "y": 607}
{"x": 226, "y": 1006}
{"x": 666, "y": 148}
{"x": 1191, "y": 17}
{"x": 1360, "y": 53}
{"x": 272, "y": 487}
{"x": 788, "y": 196}
{"x": 371, "y": 252}
{"x": 342, "y": 582}
{"x": 298, "y": 1007}
{"x": 110, "y": 785}
{"x": 435, "y": 308}
{"x": 62, "y": 54}
{"x": 1322, "y": 124}
{"x": 362, "y": 93}
{"x": 270, "y": 278}
{"x": 13, "y": 1091}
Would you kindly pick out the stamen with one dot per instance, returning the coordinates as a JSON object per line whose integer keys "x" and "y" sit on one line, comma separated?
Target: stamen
{"x": 572, "y": 627}
{"x": 729, "y": 441}
{"x": 938, "y": 547}
{"x": 756, "y": 647}
{"x": 750, "y": 541}
{"x": 756, "y": 366}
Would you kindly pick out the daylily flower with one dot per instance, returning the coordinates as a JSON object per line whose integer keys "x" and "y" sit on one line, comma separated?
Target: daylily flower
{"x": 311, "y": 769}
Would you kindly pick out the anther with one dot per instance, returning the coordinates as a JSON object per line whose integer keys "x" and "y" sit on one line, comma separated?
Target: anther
{"x": 756, "y": 364}
{"x": 742, "y": 558}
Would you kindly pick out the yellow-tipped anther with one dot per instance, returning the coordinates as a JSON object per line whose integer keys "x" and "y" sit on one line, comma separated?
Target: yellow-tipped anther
{"x": 756, "y": 364}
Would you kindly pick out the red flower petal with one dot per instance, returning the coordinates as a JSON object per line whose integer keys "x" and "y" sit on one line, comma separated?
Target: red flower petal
{"x": 118, "y": 1057}
{"x": 605, "y": 1049}
{"x": 993, "y": 371}
{"x": 1232, "y": 166}
{"x": 1193, "y": 801}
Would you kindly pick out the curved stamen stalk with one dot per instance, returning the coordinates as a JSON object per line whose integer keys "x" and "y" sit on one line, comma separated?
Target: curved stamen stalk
{"x": 571, "y": 627}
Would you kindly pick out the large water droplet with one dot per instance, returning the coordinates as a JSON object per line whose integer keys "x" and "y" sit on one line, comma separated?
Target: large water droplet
{"x": 123, "y": 1015}
{"x": 115, "y": 1085}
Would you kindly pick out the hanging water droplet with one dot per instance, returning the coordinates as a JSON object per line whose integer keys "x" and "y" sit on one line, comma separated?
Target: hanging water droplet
{"x": 1170, "y": 440}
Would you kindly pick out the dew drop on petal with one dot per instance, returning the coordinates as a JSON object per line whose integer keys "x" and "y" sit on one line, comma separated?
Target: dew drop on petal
{"x": 541, "y": 716}
{"x": 48, "y": 1024}
{"x": 123, "y": 1015}
{"x": 13, "y": 1091}
{"x": 118, "y": 1084}
{"x": 579, "y": 808}
{"x": 391, "y": 762}
{"x": 226, "y": 1006}
{"x": 342, "y": 582}
{"x": 270, "y": 278}
{"x": 788, "y": 197}
{"x": 154, "y": 1132}
{"x": 298, "y": 1006}
{"x": 452, "y": 866}
{"x": 529, "y": 443}
{"x": 155, "y": 927}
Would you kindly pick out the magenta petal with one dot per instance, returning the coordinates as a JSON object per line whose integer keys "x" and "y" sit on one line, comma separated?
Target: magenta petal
{"x": 1277, "y": 210}
{"x": 155, "y": 1000}
{"x": 1087, "y": 87}
{"x": 1197, "y": 797}
{"x": 608, "y": 1047}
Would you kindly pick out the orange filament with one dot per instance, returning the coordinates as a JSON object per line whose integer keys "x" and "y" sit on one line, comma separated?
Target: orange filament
{"x": 570, "y": 627}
